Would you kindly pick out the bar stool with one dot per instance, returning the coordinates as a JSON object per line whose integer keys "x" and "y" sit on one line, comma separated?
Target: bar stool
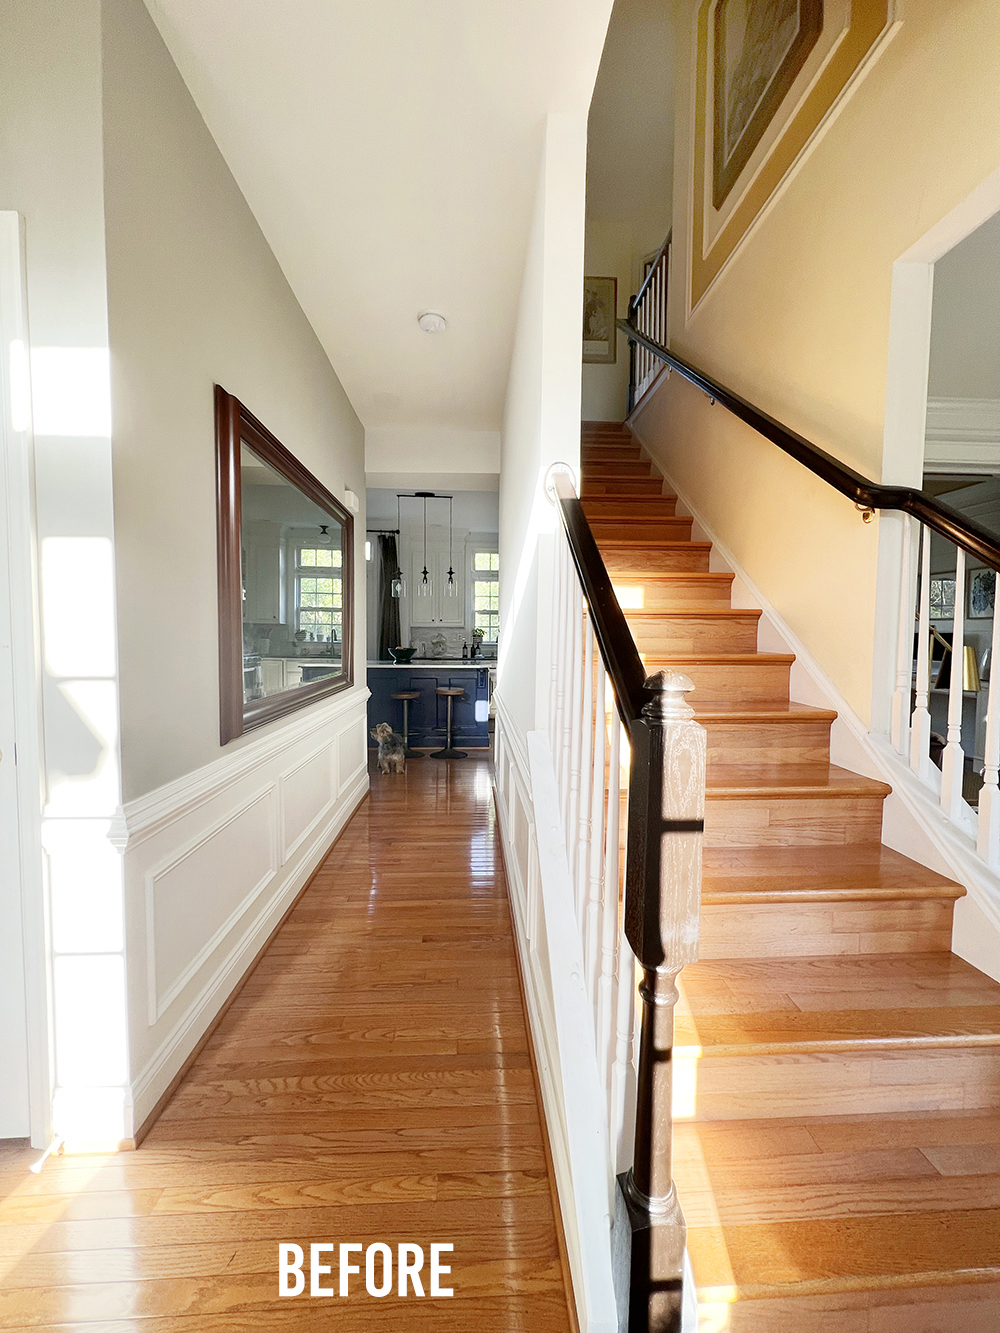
{"x": 449, "y": 692}
{"x": 406, "y": 696}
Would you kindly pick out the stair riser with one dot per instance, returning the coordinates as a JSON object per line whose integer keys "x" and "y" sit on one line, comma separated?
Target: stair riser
{"x": 695, "y": 634}
{"x": 807, "y": 930}
{"x": 630, "y": 486}
{"x": 640, "y": 506}
{"x": 801, "y": 822}
{"x": 742, "y": 682}
{"x": 641, "y": 529}
{"x": 621, "y": 561}
{"x": 775, "y": 742}
{"x": 614, "y": 470}
{"x": 611, "y": 453}
{"x": 842, "y": 1083}
{"x": 637, "y": 593}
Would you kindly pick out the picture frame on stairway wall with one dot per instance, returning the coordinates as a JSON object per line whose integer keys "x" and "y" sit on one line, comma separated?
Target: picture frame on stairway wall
{"x": 600, "y": 310}
{"x": 769, "y": 76}
{"x": 981, "y": 594}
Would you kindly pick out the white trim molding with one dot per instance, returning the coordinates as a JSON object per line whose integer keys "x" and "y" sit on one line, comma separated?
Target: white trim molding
{"x": 963, "y": 436}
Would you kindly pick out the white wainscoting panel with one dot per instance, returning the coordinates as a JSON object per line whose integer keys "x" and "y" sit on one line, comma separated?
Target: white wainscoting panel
{"x": 213, "y": 861}
{"x": 198, "y": 895}
{"x": 307, "y": 792}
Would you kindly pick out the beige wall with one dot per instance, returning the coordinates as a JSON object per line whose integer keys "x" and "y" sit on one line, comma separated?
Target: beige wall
{"x": 799, "y": 320}
{"x": 195, "y": 297}
{"x": 608, "y": 253}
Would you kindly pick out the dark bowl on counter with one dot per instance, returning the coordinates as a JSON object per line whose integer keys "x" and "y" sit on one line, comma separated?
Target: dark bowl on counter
{"x": 402, "y": 655}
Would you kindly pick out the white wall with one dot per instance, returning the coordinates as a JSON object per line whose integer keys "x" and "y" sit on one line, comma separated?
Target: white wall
{"x": 965, "y": 325}
{"x": 542, "y": 414}
{"x": 425, "y": 458}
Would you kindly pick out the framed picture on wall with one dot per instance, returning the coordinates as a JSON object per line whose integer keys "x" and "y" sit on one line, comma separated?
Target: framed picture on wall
{"x": 982, "y": 584}
{"x": 600, "y": 310}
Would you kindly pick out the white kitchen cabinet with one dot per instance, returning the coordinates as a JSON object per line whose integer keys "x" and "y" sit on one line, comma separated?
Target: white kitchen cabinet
{"x": 437, "y": 608}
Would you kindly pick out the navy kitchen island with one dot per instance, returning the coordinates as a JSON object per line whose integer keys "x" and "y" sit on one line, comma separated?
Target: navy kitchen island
{"x": 428, "y": 713}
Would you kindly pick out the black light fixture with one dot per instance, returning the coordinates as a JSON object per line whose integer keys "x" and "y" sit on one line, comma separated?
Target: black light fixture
{"x": 451, "y": 587}
{"x": 324, "y": 534}
{"x": 424, "y": 587}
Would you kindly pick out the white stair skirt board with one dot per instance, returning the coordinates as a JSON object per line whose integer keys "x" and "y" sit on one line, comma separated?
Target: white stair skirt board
{"x": 913, "y": 822}
{"x": 213, "y": 861}
{"x": 559, "y": 1014}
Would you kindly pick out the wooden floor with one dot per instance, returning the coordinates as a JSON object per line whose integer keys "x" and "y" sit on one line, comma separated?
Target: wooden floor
{"x": 836, "y": 1067}
{"x": 371, "y": 1082}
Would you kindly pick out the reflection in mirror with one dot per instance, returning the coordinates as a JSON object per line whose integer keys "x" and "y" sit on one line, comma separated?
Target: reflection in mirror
{"x": 292, "y": 558}
{"x": 285, "y": 577}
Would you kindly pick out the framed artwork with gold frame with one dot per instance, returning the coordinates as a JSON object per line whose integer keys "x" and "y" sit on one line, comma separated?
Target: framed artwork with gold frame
{"x": 768, "y": 75}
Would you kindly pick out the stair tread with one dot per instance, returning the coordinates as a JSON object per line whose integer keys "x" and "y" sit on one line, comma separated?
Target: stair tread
{"x": 863, "y": 872}
{"x": 853, "y": 1204}
{"x": 685, "y": 612}
{"x": 728, "y": 710}
{"x": 735, "y": 781}
{"x": 845, "y": 1003}
{"x": 654, "y": 661}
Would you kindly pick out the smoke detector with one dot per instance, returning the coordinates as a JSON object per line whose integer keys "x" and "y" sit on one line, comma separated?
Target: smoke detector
{"x": 431, "y": 322}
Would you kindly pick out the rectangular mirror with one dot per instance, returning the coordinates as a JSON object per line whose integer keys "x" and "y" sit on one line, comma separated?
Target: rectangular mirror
{"x": 285, "y": 577}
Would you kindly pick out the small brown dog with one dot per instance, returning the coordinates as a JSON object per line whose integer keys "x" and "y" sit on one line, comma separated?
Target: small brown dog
{"x": 391, "y": 750}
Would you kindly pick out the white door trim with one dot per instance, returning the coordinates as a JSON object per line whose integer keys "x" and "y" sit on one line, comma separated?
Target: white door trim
{"x": 906, "y": 410}
{"x": 18, "y": 463}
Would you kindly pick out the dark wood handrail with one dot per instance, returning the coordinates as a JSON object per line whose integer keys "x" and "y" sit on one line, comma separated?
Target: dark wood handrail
{"x": 614, "y": 638}
{"x": 941, "y": 518}
{"x": 636, "y": 300}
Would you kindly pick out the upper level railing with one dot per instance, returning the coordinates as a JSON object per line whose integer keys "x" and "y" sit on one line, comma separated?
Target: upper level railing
{"x": 948, "y": 563}
{"x": 599, "y": 690}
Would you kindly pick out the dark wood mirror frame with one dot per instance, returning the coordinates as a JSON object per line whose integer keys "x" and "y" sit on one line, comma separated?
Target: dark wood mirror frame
{"x": 235, "y": 425}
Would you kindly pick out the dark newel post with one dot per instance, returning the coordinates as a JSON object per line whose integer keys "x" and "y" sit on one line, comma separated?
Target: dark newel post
{"x": 666, "y": 812}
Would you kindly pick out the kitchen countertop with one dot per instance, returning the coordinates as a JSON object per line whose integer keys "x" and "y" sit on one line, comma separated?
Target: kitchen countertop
{"x": 451, "y": 662}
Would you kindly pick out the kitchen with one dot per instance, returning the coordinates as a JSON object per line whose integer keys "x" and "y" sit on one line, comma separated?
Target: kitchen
{"x": 432, "y": 569}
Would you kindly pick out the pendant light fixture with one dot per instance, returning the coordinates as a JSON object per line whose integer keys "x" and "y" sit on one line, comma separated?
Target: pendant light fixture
{"x": 424, "y": 586}
{"x": 397, "y": 584}
{"x": 451, "y": 586}
{"x": 324, "y": 534}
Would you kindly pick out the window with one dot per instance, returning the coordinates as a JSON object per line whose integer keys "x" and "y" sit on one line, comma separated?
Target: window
{"x": 486, "y": 594}
{"x": 319, "y": 592}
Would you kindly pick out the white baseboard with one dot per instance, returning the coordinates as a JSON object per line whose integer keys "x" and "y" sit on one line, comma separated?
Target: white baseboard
{"x": 211, "y": 864}
{"x": 912, "y": 822}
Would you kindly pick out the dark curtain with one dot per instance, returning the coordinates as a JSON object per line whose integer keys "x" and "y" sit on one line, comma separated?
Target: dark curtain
{"x": 388, "y": 606}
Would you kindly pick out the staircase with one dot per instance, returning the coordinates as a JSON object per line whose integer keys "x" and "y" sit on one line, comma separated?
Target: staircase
{"x": 837, "y": 1068}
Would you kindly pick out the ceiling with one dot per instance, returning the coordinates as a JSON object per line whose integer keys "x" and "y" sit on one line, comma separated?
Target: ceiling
{"x": 390, "y": 152}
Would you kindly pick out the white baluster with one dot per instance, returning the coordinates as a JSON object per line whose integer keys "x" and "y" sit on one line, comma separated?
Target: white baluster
{"x": 899, "y": 727}
{"x": 988, "y": 836}
{"x": 920, "y": 723}
{"x": 562, "y": 592}
{"x": 610, "y": 927}
{"x": 953, "y": 759}
{"x": 597, "y": 904}
{"x": 575, "y": 738}
{"x": 586, "y": 771}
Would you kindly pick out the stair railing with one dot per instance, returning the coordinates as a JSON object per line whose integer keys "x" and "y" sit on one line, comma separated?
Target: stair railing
{"x": 647, "y": 312}
{"x": 637, "y": 915}
{"x": 942, "y": 720}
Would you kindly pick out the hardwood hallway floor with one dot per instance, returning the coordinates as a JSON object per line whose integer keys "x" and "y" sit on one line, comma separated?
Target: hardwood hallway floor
{"x": 370, "y": 1083}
